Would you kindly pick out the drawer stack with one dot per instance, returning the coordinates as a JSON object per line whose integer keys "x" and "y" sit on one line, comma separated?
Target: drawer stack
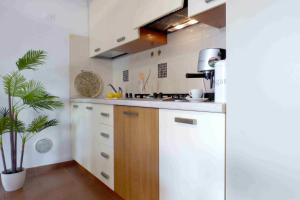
{"x": 103, "y": 151}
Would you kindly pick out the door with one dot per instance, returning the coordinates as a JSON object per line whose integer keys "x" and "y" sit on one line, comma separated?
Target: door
{"x": 192, "y": 155}
{"x": 136, "y": 153}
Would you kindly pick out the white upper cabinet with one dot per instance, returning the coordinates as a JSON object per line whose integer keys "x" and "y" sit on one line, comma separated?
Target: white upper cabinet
{"x": 149, "y": 11}
{"x": 111, "y": 24}
{"x": 198, "y": 6}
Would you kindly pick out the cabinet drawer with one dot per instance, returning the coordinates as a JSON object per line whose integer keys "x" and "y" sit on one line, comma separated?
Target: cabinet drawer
{"x": 103, "y": 167}
{"x": 104, "y": 114}
{"x": 104, "y": 134}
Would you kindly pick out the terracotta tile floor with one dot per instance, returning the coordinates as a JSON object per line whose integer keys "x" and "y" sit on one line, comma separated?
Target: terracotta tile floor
{"x": 69, "y": 182}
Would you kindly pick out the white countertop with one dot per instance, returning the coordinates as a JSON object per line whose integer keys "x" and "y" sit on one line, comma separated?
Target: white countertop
{"x": 150, "y": 103}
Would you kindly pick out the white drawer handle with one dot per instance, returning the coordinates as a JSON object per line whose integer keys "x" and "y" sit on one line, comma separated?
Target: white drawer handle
{"x": 104, "y": 155}
{"x": 208, "y": 1}
{"x": 121, "y": 39}
{"x": 106, "y": 176}
{"x": 105, "y": 135}
{"x": 89, "y": 108}
{"x": 104, "y": 114}
{"x": 185, "y": 121}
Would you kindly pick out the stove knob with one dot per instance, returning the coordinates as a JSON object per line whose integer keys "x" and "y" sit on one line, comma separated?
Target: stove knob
{"x": 160, "y": 95}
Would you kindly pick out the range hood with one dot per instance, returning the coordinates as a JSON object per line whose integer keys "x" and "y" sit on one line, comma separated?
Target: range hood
{"x": 155, "y": 33}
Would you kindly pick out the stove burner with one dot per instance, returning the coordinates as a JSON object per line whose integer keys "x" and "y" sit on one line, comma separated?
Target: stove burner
{"x": 160, "y": 95}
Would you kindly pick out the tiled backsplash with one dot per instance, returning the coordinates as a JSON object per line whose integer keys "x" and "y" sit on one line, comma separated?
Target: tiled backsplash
{"x": 181, "y": 56}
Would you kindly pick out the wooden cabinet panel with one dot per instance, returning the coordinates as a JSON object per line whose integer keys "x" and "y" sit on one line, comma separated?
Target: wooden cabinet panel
{"x": 136, "y": 153}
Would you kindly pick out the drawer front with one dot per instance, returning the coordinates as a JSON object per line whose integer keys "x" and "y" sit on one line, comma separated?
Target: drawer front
{"x": 104, "y": 134}
{"x": 104, "y": 164}
{"x": 104, "y": 114}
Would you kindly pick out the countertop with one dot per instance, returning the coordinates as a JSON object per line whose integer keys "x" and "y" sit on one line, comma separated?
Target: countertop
{"x": 151, "y": 103}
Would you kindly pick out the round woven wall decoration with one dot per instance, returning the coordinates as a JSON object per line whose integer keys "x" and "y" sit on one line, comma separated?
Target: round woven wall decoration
{"x": 88, "y": 84}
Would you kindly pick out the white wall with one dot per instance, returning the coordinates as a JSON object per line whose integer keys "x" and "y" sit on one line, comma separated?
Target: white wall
{"x": 263, "y": 135}
{"x": 181, "y": 54}
{"x": 43, "y": 24}
{"x": 79, "y": 60}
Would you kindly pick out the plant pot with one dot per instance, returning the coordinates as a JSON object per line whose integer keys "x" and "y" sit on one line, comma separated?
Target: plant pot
{"x": 13, "y": 182}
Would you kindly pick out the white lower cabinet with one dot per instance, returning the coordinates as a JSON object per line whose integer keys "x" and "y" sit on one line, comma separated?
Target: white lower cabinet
{"x": 92, "y": 139}
{"x": 191, "y": 155}
{"x": 81, "y": 133}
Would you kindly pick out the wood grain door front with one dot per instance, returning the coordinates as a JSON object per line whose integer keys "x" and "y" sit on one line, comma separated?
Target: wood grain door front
{"x": 136, "y": 153}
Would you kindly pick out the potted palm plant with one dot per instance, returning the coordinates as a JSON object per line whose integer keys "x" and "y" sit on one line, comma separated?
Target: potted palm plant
{"x": 22, "y": 94}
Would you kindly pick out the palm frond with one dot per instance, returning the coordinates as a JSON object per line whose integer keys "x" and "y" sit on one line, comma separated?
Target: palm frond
{"x": 13, "y": 83}
{"x": 31, "y": 60}
{"x": 4, "y": 121}
{"x": 18, "y": 126}
{"x": 44, "y": 101}
{"x": 32, "y": 89}
{"x": 40, "y": 123}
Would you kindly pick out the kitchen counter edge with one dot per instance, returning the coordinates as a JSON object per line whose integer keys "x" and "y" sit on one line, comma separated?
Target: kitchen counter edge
{"x": 187, "y": 106}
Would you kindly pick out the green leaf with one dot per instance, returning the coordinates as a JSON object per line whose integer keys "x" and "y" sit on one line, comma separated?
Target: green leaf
{"x": 31, "y": 60}
{"x": 40, "y": 123}
{"x": 45, "y": 101}
{"x": 13, "y": 83}
{"x": 4, "y": 121}
{"x": 32, "y": 89}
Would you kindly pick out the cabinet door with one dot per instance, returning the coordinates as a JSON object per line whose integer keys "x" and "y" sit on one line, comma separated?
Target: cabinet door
{"x": 87, "y": 136}
{"x": 76, "y": 111}
{"x": 149, "y": 11}
{"x": 136, "y": 153}
{"x": 111, "y": 24}
{"x": 122, "y": 22}
{"x": 198, "y": 6}
{"x": 100, "y": 29}
{"x": 81, "y": 133}
{"x": 192, "y": 155}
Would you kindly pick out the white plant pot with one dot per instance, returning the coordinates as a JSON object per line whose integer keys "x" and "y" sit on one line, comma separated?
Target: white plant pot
{"x": 13, "y": 182}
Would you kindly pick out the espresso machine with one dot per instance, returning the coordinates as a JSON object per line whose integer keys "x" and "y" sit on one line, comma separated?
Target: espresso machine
{"x": 206, "y": 63}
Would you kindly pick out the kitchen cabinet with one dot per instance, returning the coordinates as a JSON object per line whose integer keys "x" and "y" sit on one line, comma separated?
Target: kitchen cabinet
{"x": 103, "y": 151}
{"x": 199, "y": 6}
{"x": 112, "y": 31}
{"x": 191, "y": 155}
{"x": 81, "y": 130}
{"x": 149, "y": 11}
{"x": 111, "y": 25}
{"x": 92, "y": 136}
{"x": 136, "y": 153}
